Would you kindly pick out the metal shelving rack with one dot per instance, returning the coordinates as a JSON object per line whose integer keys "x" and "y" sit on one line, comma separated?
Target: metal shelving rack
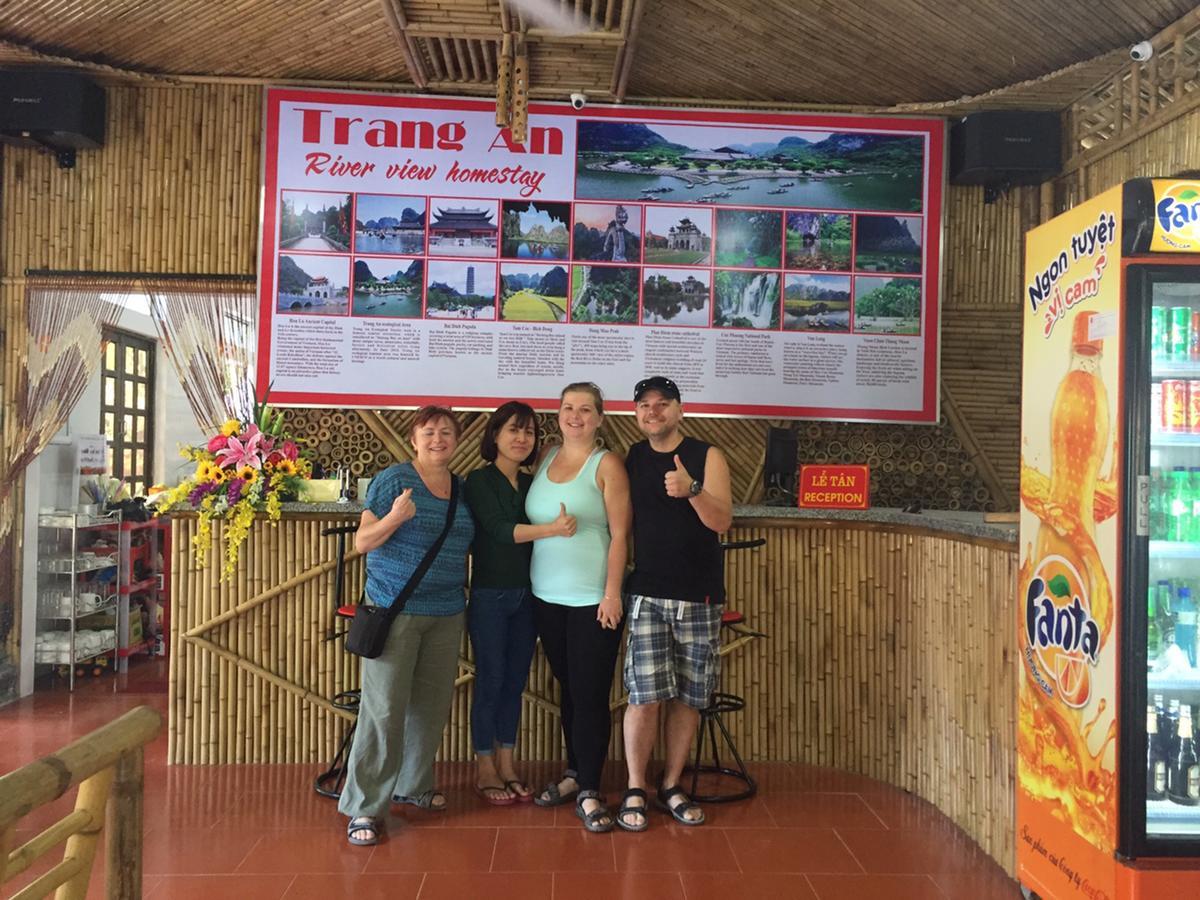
{"x": 64, "y": 558}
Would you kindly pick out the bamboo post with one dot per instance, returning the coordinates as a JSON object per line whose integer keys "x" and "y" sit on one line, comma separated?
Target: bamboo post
{"x": 124, "y": 824}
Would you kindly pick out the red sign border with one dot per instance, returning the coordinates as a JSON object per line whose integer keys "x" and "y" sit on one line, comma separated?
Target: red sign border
{"x": 932, "y": 211}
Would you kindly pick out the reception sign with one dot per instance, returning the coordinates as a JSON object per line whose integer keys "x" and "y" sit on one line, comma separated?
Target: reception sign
{"x": 772, "y": 265}
{"x": 834, "y": 487}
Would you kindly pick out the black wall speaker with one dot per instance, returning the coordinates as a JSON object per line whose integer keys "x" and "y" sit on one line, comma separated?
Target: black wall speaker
{"x": 47, "y": 108}
{"x": 1005, "y": 147}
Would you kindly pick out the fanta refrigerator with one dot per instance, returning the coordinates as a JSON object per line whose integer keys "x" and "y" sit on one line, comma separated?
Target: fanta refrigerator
{"x": 1108, "y": 770}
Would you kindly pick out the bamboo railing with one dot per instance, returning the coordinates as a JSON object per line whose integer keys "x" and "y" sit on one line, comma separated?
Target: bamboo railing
{"x": 106, "y": 765}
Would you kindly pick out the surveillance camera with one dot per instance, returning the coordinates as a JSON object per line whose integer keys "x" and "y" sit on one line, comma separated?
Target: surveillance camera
{"x": 578, "y": 100}
{"x": 1141, "y": 51}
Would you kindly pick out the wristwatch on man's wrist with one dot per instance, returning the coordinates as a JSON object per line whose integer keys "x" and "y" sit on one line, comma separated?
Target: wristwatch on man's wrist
{"x": 695, "y": 488}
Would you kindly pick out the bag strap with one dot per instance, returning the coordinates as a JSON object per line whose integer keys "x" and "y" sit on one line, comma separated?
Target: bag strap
{"x": 401, "y": 600}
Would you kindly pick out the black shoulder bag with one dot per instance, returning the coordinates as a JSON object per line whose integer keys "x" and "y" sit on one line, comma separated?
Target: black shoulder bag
{"x": 370, "y": 626}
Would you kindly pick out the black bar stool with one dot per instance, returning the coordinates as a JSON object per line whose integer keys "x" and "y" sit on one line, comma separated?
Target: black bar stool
{"x": 330, "y": 782}
{"x": 712, "y": 721}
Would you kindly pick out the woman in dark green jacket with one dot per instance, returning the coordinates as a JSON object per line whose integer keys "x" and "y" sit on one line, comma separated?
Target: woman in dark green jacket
{"x": 500, "y": 615}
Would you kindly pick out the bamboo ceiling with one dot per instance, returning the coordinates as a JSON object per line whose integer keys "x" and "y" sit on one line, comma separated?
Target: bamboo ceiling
{"x": 855, "y": 54}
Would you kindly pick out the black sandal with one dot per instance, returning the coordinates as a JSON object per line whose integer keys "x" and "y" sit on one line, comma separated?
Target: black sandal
{"x": 556, "y": 798}
{"x": 627, "y": 810}
{"x": 364, "y": 823}
{"x": 680, "y": 810}
{"x": 593, "y": 821}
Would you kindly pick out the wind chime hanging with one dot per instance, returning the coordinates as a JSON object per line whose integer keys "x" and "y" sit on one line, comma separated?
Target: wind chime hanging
{"x": 512, "y": 87}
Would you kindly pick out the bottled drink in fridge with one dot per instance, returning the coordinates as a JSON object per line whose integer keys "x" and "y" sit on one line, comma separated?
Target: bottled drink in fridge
{"x": 1181, "y": 333}
{"x": 1153, "y": 632}
{"x": 1156, "y": 759}
{"x": 1185, "y": 624}
{"x": 1183, "y": 774}
{"x": 1160, "y": 333}
{"x": 1179, "y": 517}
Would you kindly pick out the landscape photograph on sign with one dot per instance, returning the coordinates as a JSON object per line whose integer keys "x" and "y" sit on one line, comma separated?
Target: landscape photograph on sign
{"x": 746, "y": 300}
{"x": 388, "y": 224}
{"x": 309, "y": 284}
{"x": 677, "y": 235}
{"x": 818, "y": 242}
{"x": 816, "y": 302}
{"x": 463, "y": 227}
{"x": 887, "y": 244}
{"x": 607, "y": 232}
{"x": 461, "y": 290}
{"x": 535, "y": 230}
{"x": 533, "y": 293}
{"x": 748, "y": 166}
{"x": 675, "y": 297}
{"x": 749, "y": 238}
{"x": 887, "y": 305}
{"x": 604, "y": 294}
{"x": 314, "y": 221}
{"x": 388, "y": 287}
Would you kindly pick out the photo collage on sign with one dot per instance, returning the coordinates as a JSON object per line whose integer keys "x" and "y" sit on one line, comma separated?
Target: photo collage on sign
{"x": 722, "y": 227}
{"x": 761, "y": 228}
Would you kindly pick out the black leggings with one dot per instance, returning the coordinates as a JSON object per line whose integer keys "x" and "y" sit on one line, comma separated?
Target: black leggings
{"x": 582, "y": 656}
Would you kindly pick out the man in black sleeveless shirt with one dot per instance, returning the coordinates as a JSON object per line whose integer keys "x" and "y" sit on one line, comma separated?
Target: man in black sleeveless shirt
{"x": 682, "y": 500}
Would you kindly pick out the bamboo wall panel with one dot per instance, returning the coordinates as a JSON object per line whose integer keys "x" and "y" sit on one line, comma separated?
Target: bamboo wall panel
{"x": 887, "y": 653}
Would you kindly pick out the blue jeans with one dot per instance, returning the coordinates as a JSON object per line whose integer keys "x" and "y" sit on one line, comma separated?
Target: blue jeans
{"x": 500, "y": 623}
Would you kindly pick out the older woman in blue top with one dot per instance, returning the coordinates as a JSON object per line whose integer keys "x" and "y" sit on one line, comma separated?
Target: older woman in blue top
{"x": 406, "y": 692}
{"x": 577, "y": 582}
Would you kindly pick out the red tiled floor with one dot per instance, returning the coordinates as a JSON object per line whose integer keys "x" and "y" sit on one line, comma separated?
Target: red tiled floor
{"x": 675, "y": 848}
{"x": 205, "y": 887}
{"x": 747, "y": 886}
{"x": 618, "y": 886}
{"x": 553, "y": 850}
{"x": 792, "y": 850}
{"x": 492, "y": 885}
{"x": 215, "y": 832}
{"x": 797, "y": 809}
{"x": 389, "y": 886}
{"x": 877, "y": 887}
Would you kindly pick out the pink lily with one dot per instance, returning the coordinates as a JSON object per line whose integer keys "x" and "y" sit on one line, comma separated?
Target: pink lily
{"x": 240, "y": 452}
{"x": 290, "y": 450}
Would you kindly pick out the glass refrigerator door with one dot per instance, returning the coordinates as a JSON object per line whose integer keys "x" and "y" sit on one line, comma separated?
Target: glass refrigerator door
{"x": 1168, "y": 710}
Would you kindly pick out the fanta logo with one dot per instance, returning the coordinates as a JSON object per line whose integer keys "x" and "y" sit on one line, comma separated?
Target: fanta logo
{"x": 1179, "y": 208}
{"x": 1069, "y": 628}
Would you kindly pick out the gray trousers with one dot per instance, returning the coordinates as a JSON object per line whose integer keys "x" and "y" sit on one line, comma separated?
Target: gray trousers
{"x": 406, "y": 696}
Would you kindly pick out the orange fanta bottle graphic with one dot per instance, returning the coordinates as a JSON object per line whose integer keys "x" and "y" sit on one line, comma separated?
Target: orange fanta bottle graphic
{"x": 1067, "y": 608}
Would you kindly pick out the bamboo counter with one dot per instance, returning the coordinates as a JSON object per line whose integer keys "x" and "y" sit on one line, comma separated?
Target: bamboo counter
{"x": 890, "y": 652}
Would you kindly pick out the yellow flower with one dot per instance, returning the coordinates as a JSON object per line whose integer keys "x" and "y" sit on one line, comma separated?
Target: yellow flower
{"x": 231, "y": 427}
{"x": 285, "y": 467}
{"x": 248, "y": 474}
{"x": 204, "y": 471}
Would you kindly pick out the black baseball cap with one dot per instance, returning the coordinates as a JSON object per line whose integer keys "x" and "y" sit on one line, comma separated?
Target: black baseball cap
{"x": 664, "y": 386}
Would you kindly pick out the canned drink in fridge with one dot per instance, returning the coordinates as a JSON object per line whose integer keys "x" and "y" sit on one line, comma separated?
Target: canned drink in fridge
{"x": 1160, "y": 333}
{"x": 1156, "y": 406}
{"x": 1181, "y": 332}
{"x": 1194, "y": 407}
{"x": 1194, "y": 346}
{"x": 1175, "y": 405}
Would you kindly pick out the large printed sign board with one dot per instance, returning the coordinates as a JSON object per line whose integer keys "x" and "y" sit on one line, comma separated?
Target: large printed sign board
{"x": 772, "y": 265}
{"x": 1067, "y": 604}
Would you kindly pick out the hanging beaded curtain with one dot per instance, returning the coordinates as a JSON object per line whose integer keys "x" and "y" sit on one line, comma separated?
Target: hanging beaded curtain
{"x": 207, "y": 329}
{"x": 65, "y": 318}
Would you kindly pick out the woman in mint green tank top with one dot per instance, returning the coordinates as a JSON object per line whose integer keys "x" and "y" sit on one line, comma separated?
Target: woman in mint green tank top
{"x": 577, "y": 586}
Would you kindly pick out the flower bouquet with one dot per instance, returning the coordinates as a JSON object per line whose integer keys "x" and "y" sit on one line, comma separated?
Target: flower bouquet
{"x": 244, "y": 470}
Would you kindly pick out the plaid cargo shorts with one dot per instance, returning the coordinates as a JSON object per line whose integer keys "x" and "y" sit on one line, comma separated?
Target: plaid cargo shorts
{"x": 672, "y": 651}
